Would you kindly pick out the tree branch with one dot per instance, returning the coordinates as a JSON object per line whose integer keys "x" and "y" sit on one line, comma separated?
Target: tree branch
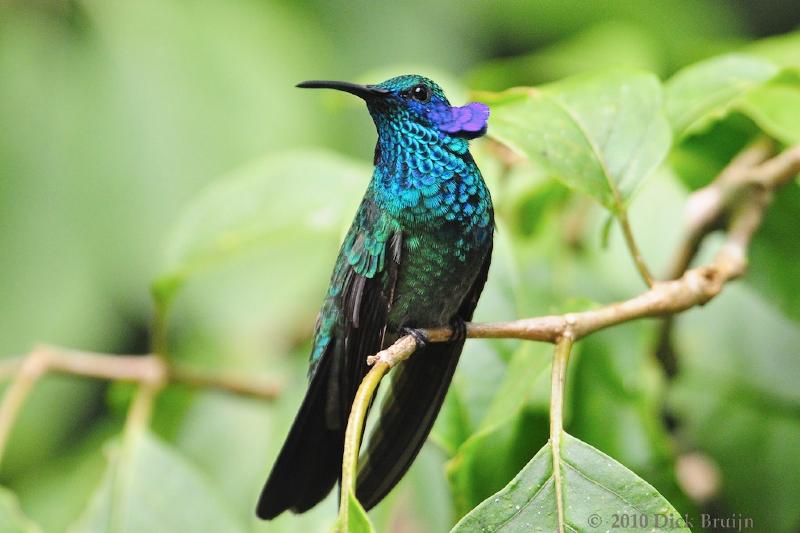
{"x": 707, "y": 207}
{"x": 150, "y": 371}
{"x": 693, "y": 288}
{"x": 740, "y": 193}
{"x": 749, "y": 173}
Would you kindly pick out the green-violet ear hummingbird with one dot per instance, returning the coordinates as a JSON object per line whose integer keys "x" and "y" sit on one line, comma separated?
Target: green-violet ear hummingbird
{"x": 416, "y": 256}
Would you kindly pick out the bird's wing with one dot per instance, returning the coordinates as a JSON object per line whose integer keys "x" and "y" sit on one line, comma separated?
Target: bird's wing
{"x": 419, "y": 386}
{"x": 350, "y": 327}
{"x": 372, "y": 250}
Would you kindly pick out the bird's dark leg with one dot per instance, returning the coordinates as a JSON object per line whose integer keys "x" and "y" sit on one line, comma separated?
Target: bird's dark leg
{"x": 419, "y": 337}
{"x": 459, "y": 328}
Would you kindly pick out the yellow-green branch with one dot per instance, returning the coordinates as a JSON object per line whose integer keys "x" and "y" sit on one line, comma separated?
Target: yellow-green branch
{"x": 557, "y": 382}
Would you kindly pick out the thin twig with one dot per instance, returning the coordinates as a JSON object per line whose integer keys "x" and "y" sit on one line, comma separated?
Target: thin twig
{"x": 706, "y": 207}
{"x": 28, "y": 375}
{"x": 381, "y": 363}
{"x": 352, "y": 438}
{"x": 149, "y": 371}
{"x": 141, "y": 407}
{"x": 636, "y": 254}
{"x": 744, "y": 186}
{"x": 696, "y": 287}
{"x": 137, "y": 368}
{"x": 226, "y": 381}
{"x": 557, "y": 381}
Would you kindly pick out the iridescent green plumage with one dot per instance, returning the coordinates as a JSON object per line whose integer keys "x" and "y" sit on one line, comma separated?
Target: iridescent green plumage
{"x": 416, "y": 255}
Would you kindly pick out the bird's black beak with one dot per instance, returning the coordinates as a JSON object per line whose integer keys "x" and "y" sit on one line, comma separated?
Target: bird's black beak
{"x": 362, "y": 91}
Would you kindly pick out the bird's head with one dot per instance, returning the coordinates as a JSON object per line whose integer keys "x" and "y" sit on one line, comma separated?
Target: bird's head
{"x": 399, "y": 102}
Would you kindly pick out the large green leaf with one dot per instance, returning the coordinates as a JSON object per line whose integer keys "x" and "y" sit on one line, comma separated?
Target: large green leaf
{"x": 597, "y": 490}
{"x": 11, "y": 518}
{"x": 601, "y": 134}
{"x": 55, "y": 493}
{"x": 294, "y": 198}
{"x": 783, "y": 50}
{"x": 150, "y": 488}
{"x": 617, "y": 378}
{"x": 452, "y": 426}
{"x": 775, "y": 106}
{"x": 491, "y": 456}
{"x": 700, "y": 157}
{"x": 702, "y": 93}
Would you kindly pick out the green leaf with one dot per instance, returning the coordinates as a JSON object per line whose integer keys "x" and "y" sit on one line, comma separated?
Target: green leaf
{"x": 55, "y": 493}
{"x": 704, "y": 92}
{"x": 149, "y": 487}
{"x": 357, "y": 519}
{"x": 297, "y": 198}
{"x": 783, "y": 50}
{"x": 700, "y": 157}
{"x": 452, "y": 426}
{"x": 774, "y": 254}
{"x": 531, "y": 204}
{"x": 595, "y": 487}
{"x": 527, "y": 371}
{"x": 12, "y": 520}
{"x": 489, "y": 458}
{"x": 617, "y": 378}
{"x": 775, "y": 106}
{"x": 601, "y": 134}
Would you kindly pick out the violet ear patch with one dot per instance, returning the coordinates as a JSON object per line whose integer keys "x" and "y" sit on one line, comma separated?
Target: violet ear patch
{"x": 469, "y": 120}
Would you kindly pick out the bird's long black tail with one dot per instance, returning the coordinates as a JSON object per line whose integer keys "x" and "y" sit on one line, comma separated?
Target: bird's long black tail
{"x": 419, "y": 386}
{"x": 310, "y": 460}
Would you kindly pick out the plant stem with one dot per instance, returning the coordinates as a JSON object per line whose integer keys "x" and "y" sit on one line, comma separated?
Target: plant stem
{"x": 158, "y": 341}
{"x": 636, "y": 254}
{"x": 17, "y": 393}
{"x": 557, "y": 380}
{"x": 706, "y": 207}
{"x": 232, "y": 383}
{"x": 352, "y": 439}
{"x": 381, "y": 363}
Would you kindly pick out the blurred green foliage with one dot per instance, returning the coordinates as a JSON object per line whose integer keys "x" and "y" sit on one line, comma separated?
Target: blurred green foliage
{"x": 162, "y": 140}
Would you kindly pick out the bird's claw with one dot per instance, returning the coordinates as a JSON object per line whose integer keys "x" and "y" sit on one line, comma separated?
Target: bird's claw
{"x": 459, "y": 328}
{"x": 419, "y": 337}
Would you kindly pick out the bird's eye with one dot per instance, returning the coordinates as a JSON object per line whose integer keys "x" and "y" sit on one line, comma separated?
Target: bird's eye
{"x": 421, "y": 93}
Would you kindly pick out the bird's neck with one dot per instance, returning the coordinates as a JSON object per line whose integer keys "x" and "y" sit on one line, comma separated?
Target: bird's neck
{"x": 423, "y": 177}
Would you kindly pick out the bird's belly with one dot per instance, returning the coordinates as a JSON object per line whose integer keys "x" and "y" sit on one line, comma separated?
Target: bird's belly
{"x": 435, "y": 275}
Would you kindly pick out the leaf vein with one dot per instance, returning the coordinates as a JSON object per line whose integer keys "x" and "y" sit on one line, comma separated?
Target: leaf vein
{"x": 598, "y": 484}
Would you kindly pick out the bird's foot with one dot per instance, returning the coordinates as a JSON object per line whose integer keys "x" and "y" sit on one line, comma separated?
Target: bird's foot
{"x": 419, "y": 336}
{"x": 459, "y": 328}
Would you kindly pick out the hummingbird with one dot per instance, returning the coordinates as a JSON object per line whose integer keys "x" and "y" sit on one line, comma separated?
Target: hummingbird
{"x": 416, "y": 256}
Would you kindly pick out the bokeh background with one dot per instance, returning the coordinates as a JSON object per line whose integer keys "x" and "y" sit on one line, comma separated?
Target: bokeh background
{"x": 115, "y": 117}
